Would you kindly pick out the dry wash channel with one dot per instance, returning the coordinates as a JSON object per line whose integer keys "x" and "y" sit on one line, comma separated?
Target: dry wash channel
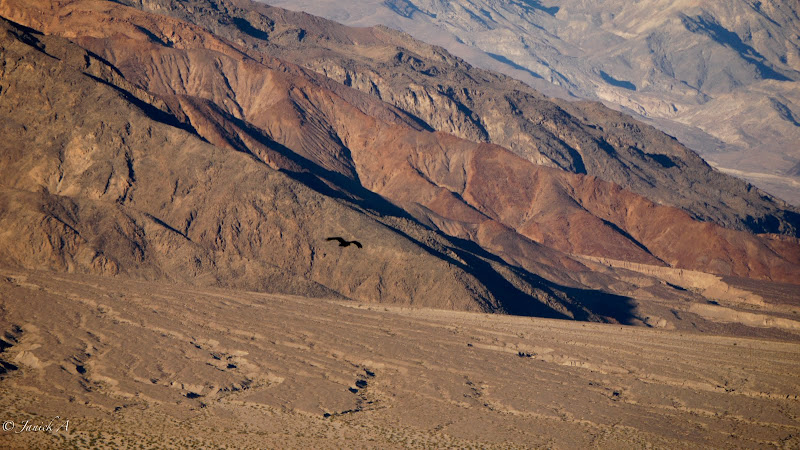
{"x": 130, "y": 363}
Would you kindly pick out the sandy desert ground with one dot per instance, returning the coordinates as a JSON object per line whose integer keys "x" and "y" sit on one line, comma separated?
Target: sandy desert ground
{"x": 141, "y": 364}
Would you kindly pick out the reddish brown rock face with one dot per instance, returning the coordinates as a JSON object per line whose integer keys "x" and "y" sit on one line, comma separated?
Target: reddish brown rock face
{"x": 178, "y": 133}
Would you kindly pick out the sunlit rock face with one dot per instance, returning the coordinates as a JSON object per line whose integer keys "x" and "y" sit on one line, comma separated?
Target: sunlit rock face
{"x": 223, "y": 143}
{"x": 721, "y": 76}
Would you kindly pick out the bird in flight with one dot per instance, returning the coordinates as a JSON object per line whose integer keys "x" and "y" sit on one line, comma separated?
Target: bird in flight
{"x": 344, "y": 243}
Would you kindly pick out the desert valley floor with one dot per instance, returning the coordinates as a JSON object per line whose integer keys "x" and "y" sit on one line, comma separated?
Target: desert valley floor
{"x": 142, "y": 364}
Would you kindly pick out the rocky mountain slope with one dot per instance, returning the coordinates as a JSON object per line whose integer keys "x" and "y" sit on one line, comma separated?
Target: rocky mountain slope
{"x": 140, "y": 144}
{"x": 722, "y": 76}
{"x": 97, "y": 178}
{"x": 448, "y": 95}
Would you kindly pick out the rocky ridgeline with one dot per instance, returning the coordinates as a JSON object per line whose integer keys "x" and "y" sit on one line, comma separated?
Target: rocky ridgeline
{"x": 722, "y": 76}
{"x": 151, "y": 147}
{"x": 446, "y": 94}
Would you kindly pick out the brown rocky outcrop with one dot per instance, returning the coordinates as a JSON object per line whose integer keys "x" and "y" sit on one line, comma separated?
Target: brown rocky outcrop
{"x": 97, "y": 180}
{"x": 449, "y": 95}
{"x": 161, "y": 150}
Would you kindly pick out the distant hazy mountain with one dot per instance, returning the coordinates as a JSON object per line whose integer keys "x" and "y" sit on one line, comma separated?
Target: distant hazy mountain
{"x": 722, "y": 76}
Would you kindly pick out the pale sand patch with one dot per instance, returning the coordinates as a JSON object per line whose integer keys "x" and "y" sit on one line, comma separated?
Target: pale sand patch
{"x": 137, "y": 363}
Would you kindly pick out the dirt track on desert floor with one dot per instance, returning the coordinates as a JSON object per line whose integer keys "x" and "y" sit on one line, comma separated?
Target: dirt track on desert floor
{"x": 132, "y": 363}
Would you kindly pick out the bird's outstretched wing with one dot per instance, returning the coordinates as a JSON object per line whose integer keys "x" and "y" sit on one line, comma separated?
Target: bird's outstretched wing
{"x": 344, "y": 243}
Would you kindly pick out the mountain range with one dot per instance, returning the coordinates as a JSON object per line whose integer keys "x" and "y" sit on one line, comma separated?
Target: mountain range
{"x": 723, "y": 77}
{"x": 221, "y": 142}
{"x": 178, "y": 183}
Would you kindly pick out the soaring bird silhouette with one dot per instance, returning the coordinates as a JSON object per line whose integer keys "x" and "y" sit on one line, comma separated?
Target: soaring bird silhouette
{"x": 343, "y": 243}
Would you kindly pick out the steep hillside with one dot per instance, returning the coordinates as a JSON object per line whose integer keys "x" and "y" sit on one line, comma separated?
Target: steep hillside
{"x": 99, "y": 177}
{"x": 447, "y": 94}
{"x": 339, "y": 130}
{"x": 723, "y": 76}
{"x": 150, "y": 147}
